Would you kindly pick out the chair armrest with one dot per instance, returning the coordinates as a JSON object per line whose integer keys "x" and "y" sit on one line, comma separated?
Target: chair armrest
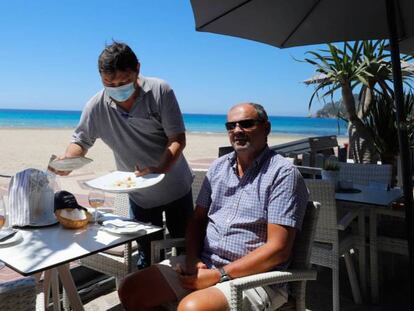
{"x": 346, "y": 219}
{"x": 157, "y": 246}
{"x": 274, "y": 277}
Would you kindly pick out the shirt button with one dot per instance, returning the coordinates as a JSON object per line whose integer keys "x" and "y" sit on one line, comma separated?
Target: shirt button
{"x": 228, "y": 220}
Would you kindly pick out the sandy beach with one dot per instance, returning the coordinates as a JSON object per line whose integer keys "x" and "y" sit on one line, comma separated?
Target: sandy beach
{"x": 32, "y": 148}
{"x": 23, "y": 148}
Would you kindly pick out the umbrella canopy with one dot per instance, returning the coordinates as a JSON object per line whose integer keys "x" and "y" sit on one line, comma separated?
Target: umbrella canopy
{"x": 301, "y": 22}
{"x": 407, "y": 46}
{"x": 288, "y": 23}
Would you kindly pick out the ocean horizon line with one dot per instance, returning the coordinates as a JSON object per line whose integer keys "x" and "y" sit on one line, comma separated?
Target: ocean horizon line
{"x": 194, "y": 122}
{"x": 184, "y": 113}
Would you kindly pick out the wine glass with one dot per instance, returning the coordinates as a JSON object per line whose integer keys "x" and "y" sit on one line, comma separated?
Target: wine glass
{"x": 2, "y": 221}
{"x": 96, "y": 199}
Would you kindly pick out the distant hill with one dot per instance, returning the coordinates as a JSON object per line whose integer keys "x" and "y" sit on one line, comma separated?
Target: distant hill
{"x": 330, "y": 110}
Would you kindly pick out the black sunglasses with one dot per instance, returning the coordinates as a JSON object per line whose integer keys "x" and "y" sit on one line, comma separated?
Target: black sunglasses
{"x": 244, "y": 124}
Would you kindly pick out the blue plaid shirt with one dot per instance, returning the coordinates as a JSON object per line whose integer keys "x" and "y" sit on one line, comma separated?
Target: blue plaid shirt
{"x": 239, "y": 209}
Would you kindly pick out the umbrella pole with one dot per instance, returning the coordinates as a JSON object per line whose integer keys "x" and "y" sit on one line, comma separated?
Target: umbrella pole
{"x": 402, "y": 136}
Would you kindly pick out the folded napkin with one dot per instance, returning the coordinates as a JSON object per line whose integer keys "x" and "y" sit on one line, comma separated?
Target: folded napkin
{"x": 121, "y": 226}
{"x": 31, "y": 198}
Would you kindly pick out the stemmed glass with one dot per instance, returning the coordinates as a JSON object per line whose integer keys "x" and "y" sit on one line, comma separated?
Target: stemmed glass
{"x": 2, "y": 221}
{"x": 96, "y": 199}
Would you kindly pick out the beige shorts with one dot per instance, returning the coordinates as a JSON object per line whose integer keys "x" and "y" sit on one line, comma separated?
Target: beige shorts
{"x": 258, "y": 298}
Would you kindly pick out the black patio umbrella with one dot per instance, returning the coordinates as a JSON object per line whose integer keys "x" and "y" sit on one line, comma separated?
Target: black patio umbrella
{"x": 289, "y": 23}
{"x": 407, "y": 46}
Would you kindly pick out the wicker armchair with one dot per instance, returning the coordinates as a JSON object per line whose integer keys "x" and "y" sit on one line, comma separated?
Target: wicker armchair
{"x": 199, "y": 175}
{"x": 18, "y": 295}
{"x": 329, "y": 245}
{"x": 297, "y": 275}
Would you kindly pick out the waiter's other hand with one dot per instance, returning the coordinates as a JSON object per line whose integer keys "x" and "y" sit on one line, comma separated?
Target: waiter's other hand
{"x": 146, "y": 170}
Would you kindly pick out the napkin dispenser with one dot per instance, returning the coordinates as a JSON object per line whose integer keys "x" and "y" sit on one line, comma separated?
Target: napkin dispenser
{"x": 31, "y": 198}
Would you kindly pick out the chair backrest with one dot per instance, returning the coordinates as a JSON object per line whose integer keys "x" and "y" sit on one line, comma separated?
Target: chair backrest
{"x": 199, "y": 175}
{"x": 121, "y": 204}
{"x": 303, "y": 243}
{"x": 323, "y": 191}
{"x": 363, "y": 174}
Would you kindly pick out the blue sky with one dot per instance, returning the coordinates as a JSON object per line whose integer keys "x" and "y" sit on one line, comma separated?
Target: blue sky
{"x": 49, "y": 51}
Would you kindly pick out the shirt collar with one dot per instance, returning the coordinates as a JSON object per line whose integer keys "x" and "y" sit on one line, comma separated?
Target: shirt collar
{"x": 143, "y": 84}
{"x": 262, "y": 156}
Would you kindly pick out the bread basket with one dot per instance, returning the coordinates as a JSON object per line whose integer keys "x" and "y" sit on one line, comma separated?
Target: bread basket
{"x": 71, "y": 223}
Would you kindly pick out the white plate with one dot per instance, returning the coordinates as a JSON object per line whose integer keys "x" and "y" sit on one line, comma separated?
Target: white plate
{"x": 110, "y": 182}
{"x": 13, "y": 240}
{"x": 69, "y": 164}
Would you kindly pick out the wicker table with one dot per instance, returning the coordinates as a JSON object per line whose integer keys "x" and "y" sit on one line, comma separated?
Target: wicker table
{"x": 51, "y": 249}
{"x": 374, "y": 201}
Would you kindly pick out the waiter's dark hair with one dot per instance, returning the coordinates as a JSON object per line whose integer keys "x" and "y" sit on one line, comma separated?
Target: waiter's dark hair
{"x": 117, "y": 57}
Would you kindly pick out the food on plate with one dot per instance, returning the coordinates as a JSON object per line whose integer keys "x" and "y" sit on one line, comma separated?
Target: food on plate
{"x": 126, "y": 182}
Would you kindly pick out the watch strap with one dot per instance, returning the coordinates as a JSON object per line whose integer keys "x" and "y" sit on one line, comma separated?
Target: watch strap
{"x": 223, "y": 275}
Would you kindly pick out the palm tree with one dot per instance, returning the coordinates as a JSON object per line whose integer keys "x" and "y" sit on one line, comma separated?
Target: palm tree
{"x": 382, "y": 122}
{"x": 363, "y": 66}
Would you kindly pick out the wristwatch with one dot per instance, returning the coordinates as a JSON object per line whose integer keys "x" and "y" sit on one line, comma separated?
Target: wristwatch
{"x": 224, "y": 276}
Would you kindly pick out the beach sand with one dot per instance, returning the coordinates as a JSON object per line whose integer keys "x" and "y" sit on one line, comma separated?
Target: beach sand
{"x": 24, "y": 148}
{"x": 32, "y": 148}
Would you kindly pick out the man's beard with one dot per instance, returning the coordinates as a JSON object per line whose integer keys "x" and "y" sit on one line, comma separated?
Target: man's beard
{"x": 241, "y": 143}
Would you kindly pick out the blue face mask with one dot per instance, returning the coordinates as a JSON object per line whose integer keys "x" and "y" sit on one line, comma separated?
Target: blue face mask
{"x": 121, "y": 93}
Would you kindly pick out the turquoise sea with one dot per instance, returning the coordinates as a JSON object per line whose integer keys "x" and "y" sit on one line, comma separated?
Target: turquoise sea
{"x": 196, "y": 123}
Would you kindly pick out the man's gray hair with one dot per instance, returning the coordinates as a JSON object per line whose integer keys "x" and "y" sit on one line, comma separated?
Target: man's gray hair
{"x": 261, "y": 112}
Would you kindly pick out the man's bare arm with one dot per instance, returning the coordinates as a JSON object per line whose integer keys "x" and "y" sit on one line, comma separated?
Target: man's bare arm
{"x": 275, "y": 251}
{"x": 196, "y": 231}
{"x": 75, "y": 150}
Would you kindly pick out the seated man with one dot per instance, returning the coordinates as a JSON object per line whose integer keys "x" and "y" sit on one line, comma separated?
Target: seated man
{"x": 250, "y": 206}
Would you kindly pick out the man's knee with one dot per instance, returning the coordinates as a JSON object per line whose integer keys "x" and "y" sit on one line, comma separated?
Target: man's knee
{"x": 210, "y": 299}
{"x": 126, "y": 287}
{"x": 189, "y": 303}
{"x": 145, "y": 289}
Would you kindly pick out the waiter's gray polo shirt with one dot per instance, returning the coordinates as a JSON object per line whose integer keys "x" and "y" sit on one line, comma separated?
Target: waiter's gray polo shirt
{"x": 139, "y": 137}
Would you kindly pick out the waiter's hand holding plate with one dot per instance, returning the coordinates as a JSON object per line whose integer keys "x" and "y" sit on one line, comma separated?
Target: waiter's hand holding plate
{"x": 64, "y": 165}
